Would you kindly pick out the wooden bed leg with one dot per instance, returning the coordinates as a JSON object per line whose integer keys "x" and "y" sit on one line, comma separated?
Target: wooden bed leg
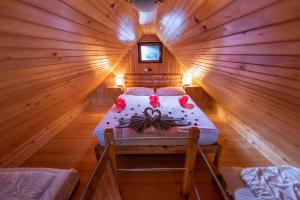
{"x": 109, "y": 137}
{"x": 218, "y": 155}
{"x": 190, "y": 159}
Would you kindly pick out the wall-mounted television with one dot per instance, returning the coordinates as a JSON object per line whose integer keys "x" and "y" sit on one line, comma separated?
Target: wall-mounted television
{"x": 150, "y": 52}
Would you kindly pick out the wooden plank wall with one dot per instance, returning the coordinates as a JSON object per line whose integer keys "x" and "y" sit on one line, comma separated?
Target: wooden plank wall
{"x": 246, "y": 55}
{"x": 130, "y": 64}
{"x": 134, "y": 72}
{"x": 53, "y": 54}
{"x": 167, "y": 73}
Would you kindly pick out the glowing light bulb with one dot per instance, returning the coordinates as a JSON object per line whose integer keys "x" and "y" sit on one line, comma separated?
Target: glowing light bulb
{"x": 119, "y": 81}
{"x": 187, "y": 79}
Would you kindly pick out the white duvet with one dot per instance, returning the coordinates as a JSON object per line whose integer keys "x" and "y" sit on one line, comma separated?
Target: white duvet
{"x": 276, "y": 183}
{"x": 170, "y": 106}
{"x": 24, "y": 185}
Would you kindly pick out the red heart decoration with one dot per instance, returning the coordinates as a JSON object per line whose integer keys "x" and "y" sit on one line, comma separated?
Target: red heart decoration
{"x": 183, "y": 100}
{"x": 154, "y": 101}
{"x": 120, "y": 103}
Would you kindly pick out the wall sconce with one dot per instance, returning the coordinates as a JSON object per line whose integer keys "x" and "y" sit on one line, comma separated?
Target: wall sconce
{"x": 187, "y": 79}
{"x": 119, "y": 81}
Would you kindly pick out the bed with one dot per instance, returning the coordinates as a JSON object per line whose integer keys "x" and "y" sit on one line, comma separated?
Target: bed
{"x": 37, "y": 183}
{"x": 273, "y": 182}
{"x": 151, "y": 137}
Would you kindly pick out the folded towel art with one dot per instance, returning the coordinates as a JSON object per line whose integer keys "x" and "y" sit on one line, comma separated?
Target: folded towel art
{"x": 151, "y": 117}
{"x": 276, "y": 183}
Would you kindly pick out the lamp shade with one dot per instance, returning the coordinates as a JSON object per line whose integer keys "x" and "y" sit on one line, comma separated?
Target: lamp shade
{"x": 187, "y": 79}
{"x": 119, "y": 81}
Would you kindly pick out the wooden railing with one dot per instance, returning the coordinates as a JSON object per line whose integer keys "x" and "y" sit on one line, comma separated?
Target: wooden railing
{"x": 107, "y": 162}
{"x": 214, "y": 175}
{"x": 104, "y": 171}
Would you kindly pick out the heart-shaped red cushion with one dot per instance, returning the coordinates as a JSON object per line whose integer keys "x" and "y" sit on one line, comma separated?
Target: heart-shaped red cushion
{"x": 120, "y": 103}
{"x": 183, "y": 100}
{"x": 154, "y": 101}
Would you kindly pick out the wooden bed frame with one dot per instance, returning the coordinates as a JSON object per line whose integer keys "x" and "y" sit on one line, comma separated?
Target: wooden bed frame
{"x": 216, "y": 148}
{"x": 106, "y": 167}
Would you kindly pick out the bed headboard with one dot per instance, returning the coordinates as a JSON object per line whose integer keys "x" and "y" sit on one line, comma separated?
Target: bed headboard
{"x": 153, "y": 80}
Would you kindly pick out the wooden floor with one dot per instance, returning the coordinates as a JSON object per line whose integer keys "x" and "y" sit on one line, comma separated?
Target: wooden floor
{"x": 73, "y": 148}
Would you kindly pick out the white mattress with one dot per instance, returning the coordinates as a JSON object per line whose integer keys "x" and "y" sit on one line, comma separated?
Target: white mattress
{"x": 62, "y": 185}
{"x": 169, "y": 106}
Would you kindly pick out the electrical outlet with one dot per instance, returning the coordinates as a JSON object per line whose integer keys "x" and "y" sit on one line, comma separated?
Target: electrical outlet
{"x": 147, "y": 69}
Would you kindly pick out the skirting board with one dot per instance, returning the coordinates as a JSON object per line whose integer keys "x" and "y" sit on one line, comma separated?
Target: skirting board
{"x": 271, "y": 152}
{"x": 28, "y": 148}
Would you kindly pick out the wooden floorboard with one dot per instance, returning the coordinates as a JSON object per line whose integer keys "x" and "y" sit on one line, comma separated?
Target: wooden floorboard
{"x": 73, "y": 148}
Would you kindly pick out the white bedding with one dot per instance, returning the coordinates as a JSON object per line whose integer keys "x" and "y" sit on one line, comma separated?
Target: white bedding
{"x": 55, "y": 184}
{"x": 169, "y": 106}
{"x": 24, "y": 185}
{"x": 244, "y": 194}
{"x": 280, "y": 183}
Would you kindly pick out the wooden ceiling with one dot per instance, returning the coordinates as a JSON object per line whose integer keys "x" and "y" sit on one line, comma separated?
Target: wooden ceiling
{"x": 53, "y": 54}
{"x": 245, "y": 54}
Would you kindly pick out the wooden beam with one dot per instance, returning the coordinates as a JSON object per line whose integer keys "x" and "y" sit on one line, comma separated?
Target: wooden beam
{"x": 109, "y": 139}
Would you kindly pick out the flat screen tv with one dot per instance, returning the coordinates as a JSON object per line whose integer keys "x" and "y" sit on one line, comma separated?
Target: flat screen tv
{"x": 150, "y": 52}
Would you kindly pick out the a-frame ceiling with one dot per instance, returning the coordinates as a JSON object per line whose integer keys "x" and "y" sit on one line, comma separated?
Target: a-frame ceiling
{"x": 245, "y": 54}
{"x": 54, "y": 53}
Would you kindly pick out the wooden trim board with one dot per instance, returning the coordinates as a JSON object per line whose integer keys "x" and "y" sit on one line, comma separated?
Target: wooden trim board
{"x": 32, "y": 145}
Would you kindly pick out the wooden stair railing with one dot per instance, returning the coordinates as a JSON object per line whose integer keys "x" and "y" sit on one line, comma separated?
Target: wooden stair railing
{"x": 190, "y": 160}
{"x": 213, "y": 170}
{"x": 103, "y": 182}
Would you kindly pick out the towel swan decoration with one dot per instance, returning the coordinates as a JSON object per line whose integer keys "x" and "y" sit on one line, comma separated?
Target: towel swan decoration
{"x": 152, "y": 117}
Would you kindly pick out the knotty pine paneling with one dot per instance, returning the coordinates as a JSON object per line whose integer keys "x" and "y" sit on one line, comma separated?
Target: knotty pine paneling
{"x": 53, "y": 54}
{"x": 245, "y": 54}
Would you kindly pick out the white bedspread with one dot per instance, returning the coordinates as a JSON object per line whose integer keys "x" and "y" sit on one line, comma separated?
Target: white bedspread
{"x": 282, "y": 182}
{"x": 24, "y": 185}
{"x": 37, "y": 183}
{"x": 169, "y": 106}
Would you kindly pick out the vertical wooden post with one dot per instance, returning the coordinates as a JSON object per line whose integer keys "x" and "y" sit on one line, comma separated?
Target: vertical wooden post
{"x": 190, "y": 159}
{"x": 109, "y": 138}
{"x": 217, "y": 156}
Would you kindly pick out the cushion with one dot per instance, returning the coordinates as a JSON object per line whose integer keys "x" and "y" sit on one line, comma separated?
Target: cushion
{"x": 139, "y": 91}
{"x": 170, "y": 91}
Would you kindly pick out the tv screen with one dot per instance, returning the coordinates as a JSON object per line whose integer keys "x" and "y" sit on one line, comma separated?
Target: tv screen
{"x": 150, "y": 52}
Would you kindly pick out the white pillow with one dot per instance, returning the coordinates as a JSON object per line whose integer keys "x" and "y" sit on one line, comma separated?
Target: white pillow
{"x": 170, "y": 91}
{"x": 139, "y": 91}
